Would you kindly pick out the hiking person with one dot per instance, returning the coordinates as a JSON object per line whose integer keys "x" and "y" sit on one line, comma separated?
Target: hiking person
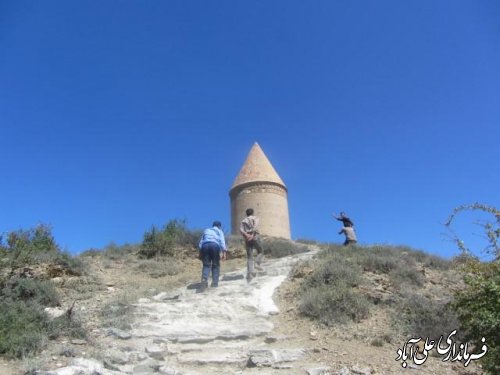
{"x": 212, "y": 244}
{"x": 250, "y": 233}
{"x": 344, "y": 219}
{"x": 350, "y": 235}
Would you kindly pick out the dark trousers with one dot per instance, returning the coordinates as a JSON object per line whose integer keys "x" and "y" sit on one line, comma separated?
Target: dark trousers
{"x": 210, "y": 256}
{"x": 350, "y": 242}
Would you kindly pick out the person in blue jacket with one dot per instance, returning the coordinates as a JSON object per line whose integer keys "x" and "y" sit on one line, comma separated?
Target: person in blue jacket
{"x": 212, "y": 248}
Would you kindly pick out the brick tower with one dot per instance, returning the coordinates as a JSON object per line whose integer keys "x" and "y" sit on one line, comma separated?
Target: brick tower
{"x": 258, "y": 186}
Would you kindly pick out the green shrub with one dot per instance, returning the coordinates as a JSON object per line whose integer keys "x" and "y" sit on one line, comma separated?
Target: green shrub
{"x": 82, "y": 288}
{"x": 64, "y": 326}
{"x": 419, "y": 316}
{"x": 279, "y": 247}
{"x": 331, "y": 304}
{"x": 163, "y": 242}
{"x": 478, "y": 308}
{"x": 156, "y": 243}
{"x": 35, "y": 246}
{"x": 437, "y": 263}
{"x": 30, "y": 291}
{"x": 334, "y": 271}
{"x": 373, "y": 262}
{"x": 402, "y": 276}
{"x": 328, "y": 293}
{"x": 23, "y": 328}
{"x": 116, "y": 252}
{"x": 26, "y": 246}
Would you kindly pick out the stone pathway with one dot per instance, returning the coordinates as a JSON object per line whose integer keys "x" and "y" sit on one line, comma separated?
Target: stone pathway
{"x": 224, "y": 330}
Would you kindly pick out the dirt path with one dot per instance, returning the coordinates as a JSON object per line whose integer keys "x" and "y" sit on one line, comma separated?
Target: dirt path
{"x": 224, "y": 330}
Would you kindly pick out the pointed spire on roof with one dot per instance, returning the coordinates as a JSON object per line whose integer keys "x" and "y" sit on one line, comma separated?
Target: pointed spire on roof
{"x": 257, "y": 167}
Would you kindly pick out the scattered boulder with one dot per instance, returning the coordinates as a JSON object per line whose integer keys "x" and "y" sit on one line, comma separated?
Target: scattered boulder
{"x": 272, "y": 357}
{"x": 318, "y": 371}
{"x": 54, "y": 312}
{"x": 157, "y": 351}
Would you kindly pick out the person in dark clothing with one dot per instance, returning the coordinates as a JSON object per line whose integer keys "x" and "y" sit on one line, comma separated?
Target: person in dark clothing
{"x": 344, "y": 219}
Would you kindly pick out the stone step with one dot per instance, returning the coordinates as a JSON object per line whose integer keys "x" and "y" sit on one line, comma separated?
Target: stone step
{"x": 214, "y": 357}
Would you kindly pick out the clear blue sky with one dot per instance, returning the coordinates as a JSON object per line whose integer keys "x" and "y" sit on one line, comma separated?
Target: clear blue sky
{"x": 117, "y": 115}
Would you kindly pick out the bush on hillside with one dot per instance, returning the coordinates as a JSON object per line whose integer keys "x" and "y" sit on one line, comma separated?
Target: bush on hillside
{"x": 24, "y": 326}
{"x": 30, "y": 291}
{"x": 22, "y": 329}
{"x": 334, "y": 270}
{"x": 478, "y": 309}
{"x": 420, "y": 316}
{"x": 164, "y": 242}
{"x": 331, "y": 305}
{"x": 478, "y": 304}
{"x": 35, "y": 246}
{"x": 328, "y": 293}
{"x": 280, "y": 247}
{"x": 115, "y": 252}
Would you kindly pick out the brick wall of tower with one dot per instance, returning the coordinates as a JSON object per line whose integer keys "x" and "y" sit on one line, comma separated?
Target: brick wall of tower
{"x": 270, "y": 204}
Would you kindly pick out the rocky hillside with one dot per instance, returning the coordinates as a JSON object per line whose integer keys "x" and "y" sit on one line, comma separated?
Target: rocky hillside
{"x": 149, "y": 316}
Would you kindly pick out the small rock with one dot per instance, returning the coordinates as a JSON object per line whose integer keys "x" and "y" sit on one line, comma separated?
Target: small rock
{"x": 57, "y": 280}
{"x": 265, "y": 357}
{"x": 342, "y": 371}
{"x": 361, "y": 371}
{"x": 160, "y": 340}
{"x": 109, "y": 365}
{"x": 119, "y": 333}
{"x": 164, "y": 370}
{"x": 166, "y": 296}
{"x": 143, "y": 370}
{"x": 78, "y": 342}
{"x": 68, "y": 352}
{"x": 281, "y": 367}
{"x": 151, "y": 363}
{"x": 156, "y": 351}
{"x": 318, "y": 371}
{"x": 91, "y": 364}
{"x": 117, "y": 356}
{"x": 54, "y": 312}
{"x": 271, "y": 339}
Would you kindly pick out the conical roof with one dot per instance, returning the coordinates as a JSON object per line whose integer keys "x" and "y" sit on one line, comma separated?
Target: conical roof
{"x": 257, "y": 167}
